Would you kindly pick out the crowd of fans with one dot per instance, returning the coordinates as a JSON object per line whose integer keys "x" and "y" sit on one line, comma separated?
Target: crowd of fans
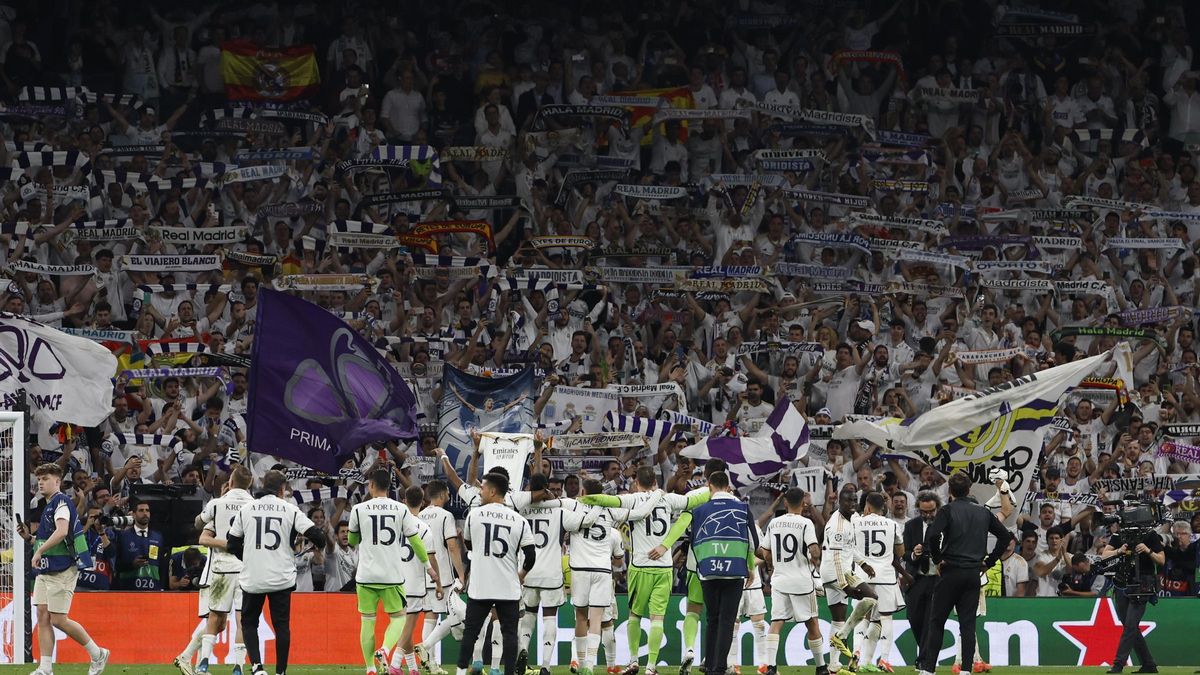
{"x": 994, "y": 168}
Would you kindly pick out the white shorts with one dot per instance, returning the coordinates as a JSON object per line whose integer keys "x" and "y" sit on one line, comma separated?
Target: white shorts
{"x": 891, "y": 600}
{"x": 432, "y": 604}
{"x": 55, "y": 589}
{"x": 752, "y": 603}
{"x": 415, "y": 604}
{"x": 834, "y": 595}
{"x": 222, "y": 595}
{"x": 793, "y": 607}
{"x": 591, "y": 589}
{"x": 610, "y": 613}
{"x": 542, "y": 597}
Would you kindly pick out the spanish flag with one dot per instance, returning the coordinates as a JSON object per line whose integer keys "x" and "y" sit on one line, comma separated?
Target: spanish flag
{"x": 254, "y": 73}
{"x": 675, "y": 97}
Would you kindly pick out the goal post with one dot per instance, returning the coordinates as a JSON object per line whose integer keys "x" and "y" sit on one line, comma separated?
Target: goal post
{"x": 14, "y": 601}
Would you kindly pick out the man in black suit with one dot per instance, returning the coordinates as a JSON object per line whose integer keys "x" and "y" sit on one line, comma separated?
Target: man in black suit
{"x": 920, "y": 565}
{"x": 531, "y": 101}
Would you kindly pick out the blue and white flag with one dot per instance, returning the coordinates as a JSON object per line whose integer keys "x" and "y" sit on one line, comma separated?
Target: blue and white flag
{"x": 422, "y": 160}
{"x": 656, "y": 429}
{"x": 781, "y": 441}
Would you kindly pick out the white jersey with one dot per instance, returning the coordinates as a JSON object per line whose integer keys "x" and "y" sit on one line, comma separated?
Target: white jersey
{"x": 496, "y": 535}
{"x": 218, "y": 516}
{"x": 417, "y": 581}
{"x": 647, "y": 532}
{"x": 517, "y": 500}
{"x": 875, "y": 539}
{"x": 547, "y": 523}
{"x": 837, "y": 558}
{"x": 268, "y": 526}
{"x": 788, "y": 537}
{"x": 443, "y": 529}
{"x": 385, "y": 526}
{"x": 590, "y": 550}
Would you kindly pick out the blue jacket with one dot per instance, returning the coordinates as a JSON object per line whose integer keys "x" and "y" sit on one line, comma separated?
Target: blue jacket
{"x": 723, "y": 538}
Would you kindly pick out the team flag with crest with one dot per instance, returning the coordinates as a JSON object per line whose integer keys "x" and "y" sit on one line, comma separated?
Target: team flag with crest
{"x": 255, "y": 73}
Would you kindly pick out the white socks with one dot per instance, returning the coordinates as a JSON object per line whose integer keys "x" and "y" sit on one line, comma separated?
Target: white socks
{"x": 772, "y": 649}
{"x": 609, "y": 637}
{"x": 94, "y": 651}
{"x": 760, "y": 642}
{"x": 549, "y": 640}
{"x": 818, "y": 652}
{"x": 867, "y": 654}
{"x": 206, "y": 646}
{"x": 861, "y": 609}
{"x": 581, "y": 646}
{"x": 46, "y": 664}
{"x": 835, "y": 628}
{"x": 593, "y": 647}
{"x": 525, "y": 628}
{"x": 885, "y": 638}
{"x": 194, "y": 645}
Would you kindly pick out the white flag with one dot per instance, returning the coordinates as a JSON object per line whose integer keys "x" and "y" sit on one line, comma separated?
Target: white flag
{"x": 67, "y": 378}
{"x": 956, "y": 418}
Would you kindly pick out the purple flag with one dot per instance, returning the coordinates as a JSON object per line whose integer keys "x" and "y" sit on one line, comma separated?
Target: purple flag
{"x": 318, "y": 389}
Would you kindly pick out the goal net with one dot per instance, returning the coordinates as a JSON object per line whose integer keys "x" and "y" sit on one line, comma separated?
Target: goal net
{"x": 14, "y": 604}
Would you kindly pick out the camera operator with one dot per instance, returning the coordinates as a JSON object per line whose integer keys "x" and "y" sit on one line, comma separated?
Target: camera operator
{"x": 1132, "y": 592}
{"x": 185, "y": 569}
{"x": 140, "y": 552}
{"x": 99, "y": 578}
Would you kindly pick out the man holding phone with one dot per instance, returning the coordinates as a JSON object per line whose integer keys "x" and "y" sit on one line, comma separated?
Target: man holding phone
{"x": 60, "y": 551}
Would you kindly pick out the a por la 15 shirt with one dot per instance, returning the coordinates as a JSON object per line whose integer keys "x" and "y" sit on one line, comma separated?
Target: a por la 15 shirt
{"x": 385, "y": 526}
{"x": 496, "y": 534}
{"x": 268, "y": 525}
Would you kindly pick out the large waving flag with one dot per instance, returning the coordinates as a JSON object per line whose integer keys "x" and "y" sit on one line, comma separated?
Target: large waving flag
{"x": 319, "y": 390}
{"x": 998, "y": 428}
{"x": 255, "y": 73}
{"x": 781, "y": 441}
{"x": 66, "y": 378}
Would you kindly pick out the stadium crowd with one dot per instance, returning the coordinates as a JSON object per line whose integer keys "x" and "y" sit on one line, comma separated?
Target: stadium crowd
{"x": 976, "y": 143}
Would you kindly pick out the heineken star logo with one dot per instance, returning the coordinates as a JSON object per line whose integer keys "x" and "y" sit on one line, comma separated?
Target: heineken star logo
{"x": 1097, "y": 637}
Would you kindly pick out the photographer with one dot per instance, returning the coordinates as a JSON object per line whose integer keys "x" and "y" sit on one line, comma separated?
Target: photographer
{"x": 1135, "y": 585}
{"x": 185, "y": 568}
{"x": 98, "y": 578}
{"x": 140, "y": 551}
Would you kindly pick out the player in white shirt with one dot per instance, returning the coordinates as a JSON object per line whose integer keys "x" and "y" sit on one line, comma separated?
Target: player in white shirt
{"x": 220, "y": 593}
{"x": 880, "y": 542}
{"x": 261, "y": 536}
{"x": 790, "y": 548}
{"x": 544, "y": 584}
{"x": 450, "y": 564}
{"x": 753, "y": 606}
{"x": 495, "y": 536}
{"x": 838, "y": 561}
{"x": 591, "y": 561}
{"x": 422, "y": 587}
{"x": 387, "y": 535}
{"x": 650, "y": 580}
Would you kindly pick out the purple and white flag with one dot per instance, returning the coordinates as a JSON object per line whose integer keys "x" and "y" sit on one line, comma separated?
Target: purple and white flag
{"x": 776, "y": 446}
{"x": 656, "y": 429}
